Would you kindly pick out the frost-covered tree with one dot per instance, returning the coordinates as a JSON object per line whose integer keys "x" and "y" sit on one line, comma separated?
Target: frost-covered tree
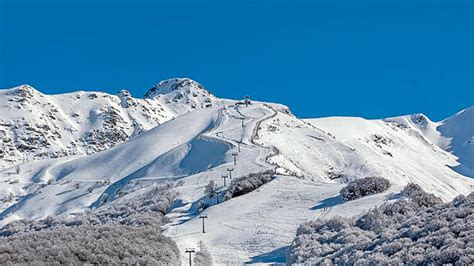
{"x": 202, "y": 257}
{"x": 246, "y": 184}
{"x": 363, "y": 187}
{"x": 418, "y": 229}
{"x": 111, "y": 243}
{"x": 125, "y": 231}
{"x": 415, "y": 192}
{"x": 211, "y": 189}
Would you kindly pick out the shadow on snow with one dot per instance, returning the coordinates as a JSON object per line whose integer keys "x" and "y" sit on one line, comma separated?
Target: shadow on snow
{"x": 329, "y": 202}
{"x": 274, "y": 257}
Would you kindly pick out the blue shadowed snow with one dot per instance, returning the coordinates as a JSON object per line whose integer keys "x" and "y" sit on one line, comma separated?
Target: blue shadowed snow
{"x": 203, "y": 155}
{"x": 275, "y": 257}
{"x": 329, "y": 202}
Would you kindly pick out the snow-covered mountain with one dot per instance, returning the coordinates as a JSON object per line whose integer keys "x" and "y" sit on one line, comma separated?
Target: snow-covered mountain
{"x": 188, "y": 138}
{"x": 454, "y": 134}
{"x": 37, "y": 126}
{"x": 457, "y": 133}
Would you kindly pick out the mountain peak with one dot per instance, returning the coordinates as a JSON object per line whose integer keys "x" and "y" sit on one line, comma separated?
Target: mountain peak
{"x": 25, "y": 91}
{"x": 420, "y": 120}
{"x": 178, "y": 86}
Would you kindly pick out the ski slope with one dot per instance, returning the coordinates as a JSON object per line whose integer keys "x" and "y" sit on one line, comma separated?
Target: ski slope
{"x": 256, "y": 228}
{"x": 103, "y": 172}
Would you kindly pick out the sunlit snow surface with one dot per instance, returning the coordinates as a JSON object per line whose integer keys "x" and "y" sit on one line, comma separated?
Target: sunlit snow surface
{"x": 196, "y": 147}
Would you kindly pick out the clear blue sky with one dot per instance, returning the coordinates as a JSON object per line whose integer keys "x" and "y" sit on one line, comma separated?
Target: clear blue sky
{"x": 359, "y": 58}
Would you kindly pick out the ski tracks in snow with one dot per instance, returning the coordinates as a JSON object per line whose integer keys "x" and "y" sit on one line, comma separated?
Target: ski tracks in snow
{"x": 322, "y": 213}
{"x": 259, "y": 238}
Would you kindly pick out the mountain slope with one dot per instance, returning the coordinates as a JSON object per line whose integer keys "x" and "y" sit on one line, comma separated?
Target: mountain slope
{"x": 86, "y": 178}
{"x": 313, "y": 159}
{"x": 37, "y": 126}
{"x": 458, "y": 131}
{"x": 159, "y": 155}
{"x": 454, "y": 134}
{"x": 390, "y": 149}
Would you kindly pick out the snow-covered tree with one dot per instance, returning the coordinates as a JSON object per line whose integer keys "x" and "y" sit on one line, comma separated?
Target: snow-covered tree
{"x": 415, "y": 192}
{"x": 246, "y": 184}
{"x": 418, "y": 229}
{"x": 211, "y": 189}
{"x": 110, "y": 243}
{"x": 121, "y": 232}
{"x": 363, "y": 187}
{"x": 202, "y": 257}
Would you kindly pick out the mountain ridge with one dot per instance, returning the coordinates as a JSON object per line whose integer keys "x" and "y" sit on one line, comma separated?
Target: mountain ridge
{"x": 34, "y": 125}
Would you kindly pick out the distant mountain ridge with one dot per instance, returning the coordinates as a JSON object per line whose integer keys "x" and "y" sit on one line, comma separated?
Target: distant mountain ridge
{"x": 459, "y": 130}
{"x": 454, "y": 134}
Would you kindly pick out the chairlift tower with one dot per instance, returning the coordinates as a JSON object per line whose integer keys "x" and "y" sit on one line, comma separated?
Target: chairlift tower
{"x": 235, "y": 157}
{"x": 190, "y": 251}
{"x": 203, "y": 217}
{"x": 230, "y": 172}
{"x": 247, "y": 100}
{"x": 224, "y": 177}
{"x": 242, "y": 118}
